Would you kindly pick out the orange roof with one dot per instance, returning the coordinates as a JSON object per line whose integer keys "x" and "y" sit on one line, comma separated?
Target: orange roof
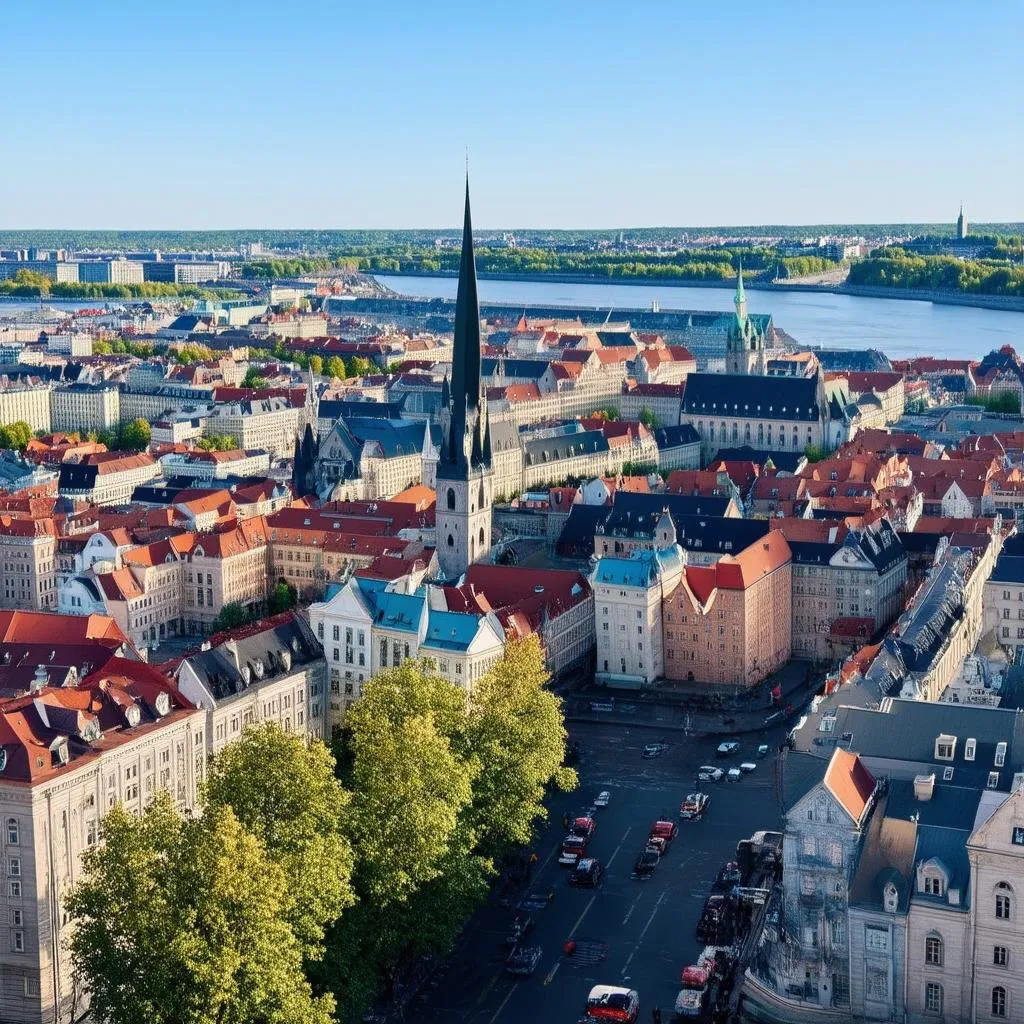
{"x": 45, "y": 627}
{"x": 419, "y": 495}
{"x": 522, "y": 392}
{"x": 850, "y": 783}
{"x": 741, "y": 571}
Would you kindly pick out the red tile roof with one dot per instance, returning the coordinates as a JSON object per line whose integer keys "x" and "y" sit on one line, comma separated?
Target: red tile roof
{"x": 850, "y": 783}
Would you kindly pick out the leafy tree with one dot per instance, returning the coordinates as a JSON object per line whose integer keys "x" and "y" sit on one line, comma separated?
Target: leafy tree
{"x": 283, "y": 790}
{"x": 186, "y": 920}
{"x": 231, "y": 616}
{"x": 647, "y": 417}
{"x": 105, "y": 437}
{"x": 316, "y": 364}
{"x": 253, "y": 379}
{"x": 359, "y": 366}
{"x": 134, "y": 436}
{"x": 815, "y": 453}
{"x": 282, "y": 597}
{"x": 218, "y": 443}
{"x": 16, "y": 435}
{"x": 335, "y": 367}
{"x": 102, "y": 348}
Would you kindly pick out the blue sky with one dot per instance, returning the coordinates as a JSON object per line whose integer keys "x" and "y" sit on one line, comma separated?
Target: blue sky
{"x": 318, "y": 114}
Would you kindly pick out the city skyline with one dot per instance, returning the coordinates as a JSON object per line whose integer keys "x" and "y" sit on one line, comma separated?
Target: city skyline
{"x": 702, "y": 118}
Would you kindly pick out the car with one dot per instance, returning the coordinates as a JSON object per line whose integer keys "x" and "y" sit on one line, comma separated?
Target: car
{"x": 712, "y": 919}
{"x": 728, "y": 877}
{"x": 603, "y": 798}
{"x": 645, "y": 865}
{"x": 694, "y": 806}
{"x": 690, "y": 1001}
{"x": 587, "y": 874}
{"x": 523, "y": 960}
{"x": 748, "y": 766}
{"x": 709, "y": 773}
{"x": 734, "y": 775}
{"x": 573, "y": 848}
{"x": 522, "y": 923}
{"x": 612, "y": 1003}
{"x": 762, "y": 750}
{"x": 584, "y": 826}
{"x": 652, "y": 750}
{"x": 665, "y": 831}
{"x": 727, "y": 747}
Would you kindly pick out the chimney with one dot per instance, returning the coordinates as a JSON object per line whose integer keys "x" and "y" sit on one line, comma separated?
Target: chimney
{"x": 924, "y": 787}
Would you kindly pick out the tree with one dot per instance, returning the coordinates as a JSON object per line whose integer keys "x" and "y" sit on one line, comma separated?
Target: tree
{"x": 185, "y": 920}
{"x": 101, "y": 348}
{"x": 316, "y": 364}
{"x": 106, "y": 437}
{"x": 231, "y": 616}
{"x": 16, "y": 435}
{"x": 283, "y": 790}
{"x": 647, "y": 417}
{"x": 134, "y": 436}
{"x": 253, "y": 379}
{"x": 283, "y": 597}
{"x": 359, "y": 366}
{"x": 218, "y": 443}
{"x": 335, "y": 367}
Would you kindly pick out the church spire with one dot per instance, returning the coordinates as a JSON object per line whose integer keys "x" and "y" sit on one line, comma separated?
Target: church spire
{"x": 740, "y": 301}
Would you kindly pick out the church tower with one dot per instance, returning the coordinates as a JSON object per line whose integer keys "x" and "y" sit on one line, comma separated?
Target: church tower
{"x": 744, "y": 351}
{"x": 465, "y": 480}
{"x": 961, "y": 224}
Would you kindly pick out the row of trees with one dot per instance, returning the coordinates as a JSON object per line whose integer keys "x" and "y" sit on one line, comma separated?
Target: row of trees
{"x": 31, "y": 284}
{"x": 896, "y": 268}
{"x": 313, "y": 880}
{"x": 122, "y": 346}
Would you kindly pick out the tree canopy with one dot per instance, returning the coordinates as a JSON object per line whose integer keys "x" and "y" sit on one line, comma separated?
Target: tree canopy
{"x": 16, "y": 435}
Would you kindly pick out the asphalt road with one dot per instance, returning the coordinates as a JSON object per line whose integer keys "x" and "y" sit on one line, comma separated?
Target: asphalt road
{"x": 628, "y": 932}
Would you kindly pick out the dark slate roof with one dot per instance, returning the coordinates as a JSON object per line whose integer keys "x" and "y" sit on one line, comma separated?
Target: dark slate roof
{"x": 395, "y": 437}
{"x": 887, "y": 856}
{"x": 225, "y": 676}
{"x": 334, "y": 409}
{"x": 539, "y": 450}
{"x": 800, "y": 774}
{"x": 718, "y": 534}
{"x": 785, "y": 462}
{"x": 920, "y": 543}
{"x": 616, "y": 339}
{"x": 581, "y": 525}
{"x": 948, "y": 845}
{"x": 514, "y": 369}
{"x": 674, "y": 437}
{"x": 859, "y": 360}
{"x": 938, "y": 608}
{"x": 638, "y": 514}
{"x": 1009, "y": 569}
{"x": 751, "y": 397}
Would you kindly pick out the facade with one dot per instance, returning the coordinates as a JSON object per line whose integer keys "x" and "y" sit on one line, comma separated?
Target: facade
{"x": 28, "y": 558}
{"x": 1004, "y": 601}
{"x": 86, "y": 407}
{"x": 210, "y": 466}
{"x": 107, "y": 478}
{"x": 269, "y": 424}
{"x": 26, "y": 400}
{"x": 465, "y": 477}
{"x": 271, "y": 671}
{"x": 745, "y": 345}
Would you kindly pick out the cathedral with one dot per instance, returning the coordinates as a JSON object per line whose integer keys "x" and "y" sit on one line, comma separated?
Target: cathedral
{"x": 744, "y": 347}
{"x": 464, "y": 477}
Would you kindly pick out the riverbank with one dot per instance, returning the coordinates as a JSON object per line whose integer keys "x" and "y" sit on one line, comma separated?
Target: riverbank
{"x": 1008, "y": 303}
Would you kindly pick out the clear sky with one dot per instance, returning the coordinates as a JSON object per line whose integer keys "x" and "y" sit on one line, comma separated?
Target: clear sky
{"x": 184, "y": 114}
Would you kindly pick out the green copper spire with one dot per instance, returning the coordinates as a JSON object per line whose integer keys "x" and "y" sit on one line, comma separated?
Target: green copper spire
{"x": 741, "y": 300}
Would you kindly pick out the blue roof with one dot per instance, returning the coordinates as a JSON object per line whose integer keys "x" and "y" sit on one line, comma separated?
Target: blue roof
{"x": 628, "y": 572}
{"x": 450, "y": 631}
{"x": 400, "y": 611}
{"x": 333, "y": 589}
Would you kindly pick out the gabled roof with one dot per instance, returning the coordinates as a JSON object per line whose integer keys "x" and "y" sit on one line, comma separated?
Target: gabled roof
{"x": 850, "y": 783}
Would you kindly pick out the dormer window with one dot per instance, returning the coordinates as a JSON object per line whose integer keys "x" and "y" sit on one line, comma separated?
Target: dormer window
{"x": 933, "y": 885}
{"x": 890, "y": 898}
{"x": 969, "y": 747}
{"x": 1000, "y": 755}
{"x": 945, "y": 748}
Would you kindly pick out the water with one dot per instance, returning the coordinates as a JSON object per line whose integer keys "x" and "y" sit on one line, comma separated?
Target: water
{"x": 898, "y": 327}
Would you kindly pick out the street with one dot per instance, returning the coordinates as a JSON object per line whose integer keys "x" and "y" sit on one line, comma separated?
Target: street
{"x": 628, "y": 932}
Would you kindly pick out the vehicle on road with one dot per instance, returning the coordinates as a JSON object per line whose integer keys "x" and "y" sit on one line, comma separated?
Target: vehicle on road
{"x": 610, "y": 1002}
{"x": 587, "y": 873}
{"x": 734, "y": 775}
{"x": 521, "y": 924}
{"x": 523, "y": 960}
{"x": 652, "y": 750}
{"x": 709, "y": 773}
{"x": 573, "y": 848}
{"x": 712, "y": 923}
{"x": 647, "y": 863}
{"x": 603, "y": 798}
{"x": 762, "y": 750}
{"x": 694, "y": 806}
{"x": 728, "y": 877}
{"x": 748, "y": 766}
{"x": 691, "y": 999}
{"x": 662, "y": 834}
{"x": 727, "y": 747}
{"x": 583, "y": 825}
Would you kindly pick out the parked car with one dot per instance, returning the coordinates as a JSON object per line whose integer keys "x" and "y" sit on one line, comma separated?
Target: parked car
{"x": 709, "y": 773}
{"x": 523, "y": 960}
{"x": 727, "y": 747}
{"x": 646, "y": 864}
{"x": 654, "y": 750}
{"x": 734, "y": 775}
{"x": 666, "y": 831}
{"x": 748, "y": 766}
{"x": 712, "y": 921}
{"x": 587, "y": 874}
{"x": 694, "y": 806}
{"x": 728, "y": 877}
{"x": 573, "y": 848}
{"x": 610, "y": 1002}
{"x": 584, "y": 826}
{"x": 762, "y": 750}
{"x": 690, "y": 1001}
{"x": 603, "y": 798}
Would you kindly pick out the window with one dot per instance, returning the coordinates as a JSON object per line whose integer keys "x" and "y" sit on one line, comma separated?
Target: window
{"x": 947, "y": 774}
{"x": 14, "y": 866}
{"x": 1000, "y": 755}
{"x": 999, "y": 1001}
{"x": 14, "y": 890}
{"x": 1002, "y": 902}
{"x": 320, "y": 630}
{"x": 933, "y": 951}
{"x": 945, "y": 748}
{"x": 933, "y": 885}
{"x": 876, "y": 939}
{"x": 17, "y": 918}
{"x": 1000, "y": 956}
{"x": 12, "y": 831}
{"x": 993, "y": 780}
{"x": 18, "y": 942}
{"x": 933, "y": 997}
{"x": 876, "y": 984}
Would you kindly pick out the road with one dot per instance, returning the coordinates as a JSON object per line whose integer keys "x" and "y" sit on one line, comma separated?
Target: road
{"x": 628, "y": 932}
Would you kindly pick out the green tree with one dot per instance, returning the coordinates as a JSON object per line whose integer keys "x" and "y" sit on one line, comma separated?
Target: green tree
{"x": 282, "y": 597}
{"x": 335, "y": 367}
{"x": 185, "y": 920}
{"x": 647, "y": 417}
{"x": 106, "y": 437}
{"x": 283, "y": 790}
{"x": 218, "y": 443}
{"x": 359, "y": 366}
{"x": 231, "y": 616}
{"x": 16, "y": 435}
{"x": 316, "y": 364}
{"x": 102, "y": 348}
{"x": 134, "y": 436}
{"x": 253, "y": 379}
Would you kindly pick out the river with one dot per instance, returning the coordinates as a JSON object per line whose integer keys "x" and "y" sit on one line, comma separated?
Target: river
{"x": 898, "y": 327}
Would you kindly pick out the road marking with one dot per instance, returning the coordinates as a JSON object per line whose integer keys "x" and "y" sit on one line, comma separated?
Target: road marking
{"x": 629, "y": 913}
{"x": 650, "y": 920}
{"x": 487, "y": 988}
{"x": 551, "y": 974}
{"x": 504, "y": 1003}
{"x": 579, "y": 920}
{"x": 619, "y": 847}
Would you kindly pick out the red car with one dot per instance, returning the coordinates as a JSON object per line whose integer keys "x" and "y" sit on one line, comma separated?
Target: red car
{"x": 583, "y": 826}
{"x": 662, "y": 834}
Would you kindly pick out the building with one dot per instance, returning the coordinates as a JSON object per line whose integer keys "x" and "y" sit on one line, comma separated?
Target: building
{"x": 630, "y": 592}
{"x": 71, "y": 343}
{"x": 271, "y": 671}
{"x": 270, "y": 424}
{"x": 85, "y": 407}
{"x": 18, "y": 473}
{"x": 81, "y": 730}
{"x": 25, "y": 400}
{"x": 210, "y": 466}
{"x": 962, "y": 229}
{"x": 28, "y": 558}
{"x": 107, "y": 478}
{"x": 1004, "y": 600}
{"x": 745, "y": 345}
{"x": 730, "y": 623}
{"x": 119, "y": 271}
{"x": 464, "y": 475}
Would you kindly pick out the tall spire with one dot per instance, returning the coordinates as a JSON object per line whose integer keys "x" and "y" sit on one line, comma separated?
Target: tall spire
{"x": 740, "y": 301}
{"x": 466, "y": 357}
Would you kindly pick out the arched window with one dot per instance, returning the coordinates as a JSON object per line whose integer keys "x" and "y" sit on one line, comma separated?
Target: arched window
{"x": 1003, "y": 904}
{"x": 482, "y": 497}
{"x": 796, "y": 439}
{"x": 933, "y": 950}
{"x": 451, "y": 541}
{"x": 735, "y": 431}
{"x": 746, "y": 432}
{"x": 760, "y": 433}
{"x": 481, "y": 537}
{"x": 451, "y": 499}
{"x": 999, "y": 1001}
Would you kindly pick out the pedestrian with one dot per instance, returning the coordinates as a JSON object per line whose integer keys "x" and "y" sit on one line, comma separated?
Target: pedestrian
{"x": 656, "y": 1015}
{"x": 565, "y": 820}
